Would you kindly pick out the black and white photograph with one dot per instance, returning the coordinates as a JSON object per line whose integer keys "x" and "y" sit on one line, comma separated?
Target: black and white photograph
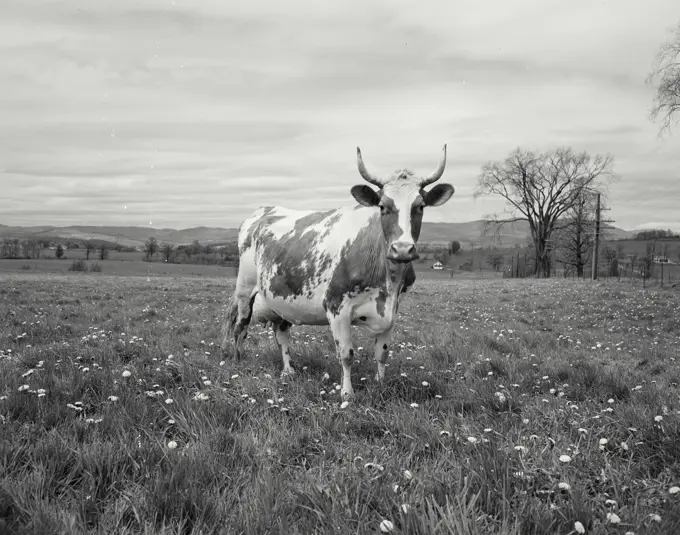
{"x": 302, "y": 267}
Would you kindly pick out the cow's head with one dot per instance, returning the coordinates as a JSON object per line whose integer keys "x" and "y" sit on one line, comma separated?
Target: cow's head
{"x": 402, "y": 200}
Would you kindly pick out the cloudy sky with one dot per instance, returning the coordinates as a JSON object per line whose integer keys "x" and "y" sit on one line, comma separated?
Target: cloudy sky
{"x": 185, "y": 113}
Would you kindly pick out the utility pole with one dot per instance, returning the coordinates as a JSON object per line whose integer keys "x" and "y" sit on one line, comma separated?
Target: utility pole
{"x": 596, "y": 244}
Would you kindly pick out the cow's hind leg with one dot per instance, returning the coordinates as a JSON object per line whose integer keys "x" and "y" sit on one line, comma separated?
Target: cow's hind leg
{"x": 282, "y": 337}
{"x": 238, "y": 318}
{"x": 382, "y": 341}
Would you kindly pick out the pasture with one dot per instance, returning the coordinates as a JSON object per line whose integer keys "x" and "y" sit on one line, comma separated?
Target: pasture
{"x": 510, "y": 406}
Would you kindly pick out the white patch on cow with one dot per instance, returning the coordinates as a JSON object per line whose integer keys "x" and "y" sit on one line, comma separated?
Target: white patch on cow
{"x": 365, "y": 305}
{"x": 283, "y": 226}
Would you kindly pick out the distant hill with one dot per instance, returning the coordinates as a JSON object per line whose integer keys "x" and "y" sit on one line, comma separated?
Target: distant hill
{"x": 466, "y": 233}
{"x": 128, "y": 236}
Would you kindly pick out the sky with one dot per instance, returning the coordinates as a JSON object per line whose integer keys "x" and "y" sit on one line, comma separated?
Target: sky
{"x": 184, "y": 113}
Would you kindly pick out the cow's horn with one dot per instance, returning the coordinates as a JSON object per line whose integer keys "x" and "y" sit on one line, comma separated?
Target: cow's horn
{"x": 439, "y": 171}
{"x": 368, "y": 177}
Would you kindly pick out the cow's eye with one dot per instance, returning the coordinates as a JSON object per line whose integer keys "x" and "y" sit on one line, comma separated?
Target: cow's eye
{"x": 420, "y": 208}
{"x": 383, "y": 209}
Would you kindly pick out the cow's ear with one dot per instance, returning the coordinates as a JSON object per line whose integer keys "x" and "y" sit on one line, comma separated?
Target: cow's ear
{"x": 437, "y": 195}
{"x": 365, "y": 195}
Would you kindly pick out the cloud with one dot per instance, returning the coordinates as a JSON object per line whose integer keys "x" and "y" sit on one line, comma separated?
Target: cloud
{"x": 197, "y": 113}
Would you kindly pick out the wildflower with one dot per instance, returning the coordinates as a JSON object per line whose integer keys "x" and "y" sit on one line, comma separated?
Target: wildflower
{"x": 520, "y": 449}
{"x": 405, "y": 508}
{"x": 113, "y": 398}
{"x": 603, "y": 441}
{"x": 344, "y": 404}
{"x": 500, "y": 396}
{"x": 386, "y": 526}
{"x": 425, "y": 383}
{"x": 408, "y": 475}
{"x": 623, "y": 446}
{"x": 127, "y": 373}
{"x": 201, "y": 396}
{"x": 169, "y": 401}
{"x": 564, "y": 486}
{"x": 578, "y": 527}
{"x": 414, "y": 405}
{"x": 235, "y": 376}
{"x": 565, "y": 459}
{"x": 376, "y": 466}
{"x": 444, "y": 433}
{"x": 613, "y": 518}
{"x": 674, "y": 490}
{"x": 654, "y": 517}
{"x": 472, "y": 440}
{"x": 658, "y": 418}
{"x": 172, "y": 445}
{"x": 23, "y": 387}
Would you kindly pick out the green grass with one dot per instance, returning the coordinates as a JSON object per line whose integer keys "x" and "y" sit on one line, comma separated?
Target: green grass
{"x": 490, "y": 383}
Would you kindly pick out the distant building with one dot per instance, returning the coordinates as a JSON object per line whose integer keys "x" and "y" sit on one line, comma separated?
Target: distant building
{"x": 437, "y": 265}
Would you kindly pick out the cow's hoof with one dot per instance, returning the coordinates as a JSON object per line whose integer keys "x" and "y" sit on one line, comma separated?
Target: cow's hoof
{"x": 347, "y": 395}
{"x": 287, "y": 372}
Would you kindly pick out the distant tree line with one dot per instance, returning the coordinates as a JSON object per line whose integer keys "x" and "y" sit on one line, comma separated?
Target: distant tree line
{"x": 16, "y": 248}
{"x": 193, "y": 253}
{"x": 656, "y": 234}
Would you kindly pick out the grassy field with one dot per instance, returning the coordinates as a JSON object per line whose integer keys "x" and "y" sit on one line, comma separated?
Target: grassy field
{"x": 509, "y": 406}
{"x": 117, "y": 267}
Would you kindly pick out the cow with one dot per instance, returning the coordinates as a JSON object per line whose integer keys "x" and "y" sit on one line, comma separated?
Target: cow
{"x": 343, "y": 267}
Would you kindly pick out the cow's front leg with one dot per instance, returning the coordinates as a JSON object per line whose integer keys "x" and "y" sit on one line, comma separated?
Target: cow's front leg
{"x": 341, "y": 328}
{"x": 382, "y": 342}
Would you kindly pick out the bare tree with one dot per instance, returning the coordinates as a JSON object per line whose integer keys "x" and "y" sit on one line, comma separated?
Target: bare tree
{"x": 665, "y": 76}
{"x": 611, "y": 256}
{"x": 541, "y": 188}
{"x": 151, "y": 247}
{"x": 103, "y": 251}
{"x": 575, "y": 233}
{"x": 454, "y": 247}
{"x": 495, "y": 260}
{"x": 89, "y": 247}
{"x": 59, "y": 251}
{"x": 167, "y": 250}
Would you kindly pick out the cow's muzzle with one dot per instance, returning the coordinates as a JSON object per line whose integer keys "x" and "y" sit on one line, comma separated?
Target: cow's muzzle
{"x": 402, "y": 252}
